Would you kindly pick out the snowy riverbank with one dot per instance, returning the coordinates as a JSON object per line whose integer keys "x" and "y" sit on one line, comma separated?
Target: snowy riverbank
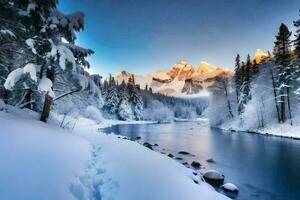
{"x": 42, "y": 161}
{"x": 278, "y": 130}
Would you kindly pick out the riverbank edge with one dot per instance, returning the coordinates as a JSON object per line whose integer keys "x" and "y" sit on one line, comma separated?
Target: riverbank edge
{"x": 257, "y": 132}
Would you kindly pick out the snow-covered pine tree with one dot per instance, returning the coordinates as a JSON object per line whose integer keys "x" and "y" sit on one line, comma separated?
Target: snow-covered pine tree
{"x": 135, "y": 99}
{"x": 47, "y": 26}
{"x": 244, "y": 94}
{"x": 13, "y": 50}
{"x": 111, "y": 99}
{"x": 296, "y": 61}
{"x": 283, "y": 70}
{"x": 297, "y": 37}
{"x": 124, "y": 108}
{"x": 238, "y": 79}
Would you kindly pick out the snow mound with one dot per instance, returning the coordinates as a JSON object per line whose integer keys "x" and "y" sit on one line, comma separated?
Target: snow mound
{"x": 16, "y": 74}
{"x": 230, "y": 187}
{"x": 38, "y": 161}
{"x": 45, "y": 85}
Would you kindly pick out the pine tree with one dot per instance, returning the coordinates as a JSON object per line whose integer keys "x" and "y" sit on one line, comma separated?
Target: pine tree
{"x": 135, "y": 101}
{"x": 44, "y": 55}
{"x": 297, "y": 37}
{"x": 296, "y": 61}
{"x": 124, "y": 108}
{"x": 283, "y": 70}
{"x": 111, "y": 99}
{"x": 238, "y": 78}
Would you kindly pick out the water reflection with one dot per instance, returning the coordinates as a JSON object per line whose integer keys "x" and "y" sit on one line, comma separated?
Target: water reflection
{"x": 266, "y": 168}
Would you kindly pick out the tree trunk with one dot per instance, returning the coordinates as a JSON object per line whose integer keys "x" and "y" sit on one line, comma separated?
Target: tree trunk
{"x": 228, "y": 102}
{"x": 289, "y": 105}
{"x": 5, "y": 98}
{"x": 275, "y": 97}
{"x": 48, "y": 99}
{"x": 282, "y": 106}
{"x": 237, "y": 99}
{"x": 46, "y": 108}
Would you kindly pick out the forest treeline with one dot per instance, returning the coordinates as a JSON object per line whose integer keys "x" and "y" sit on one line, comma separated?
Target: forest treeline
{"x": 262, "y": 92}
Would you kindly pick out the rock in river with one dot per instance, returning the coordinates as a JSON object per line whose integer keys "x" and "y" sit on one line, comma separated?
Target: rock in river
{"x": 230, "y": 187}
{"x": 213, "y": 177}
{"x": 183, "y": 153}
{"x": 210, "y": 160}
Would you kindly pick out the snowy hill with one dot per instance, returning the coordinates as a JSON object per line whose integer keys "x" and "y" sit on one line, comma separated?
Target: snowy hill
{"x": 43, "y": 161}
{"x": 182, "y": 80}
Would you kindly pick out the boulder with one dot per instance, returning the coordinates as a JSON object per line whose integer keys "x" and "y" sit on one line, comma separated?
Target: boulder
{"x": 196, "y": 164}
{"x": 148, "y": 145}
{"x": 170, "y": 155}
{"x": 230, "y": 187}
{"x": 214, "y": 177}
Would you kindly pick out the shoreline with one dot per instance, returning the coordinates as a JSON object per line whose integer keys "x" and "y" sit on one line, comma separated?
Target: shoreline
{"x": 257, "y": 133}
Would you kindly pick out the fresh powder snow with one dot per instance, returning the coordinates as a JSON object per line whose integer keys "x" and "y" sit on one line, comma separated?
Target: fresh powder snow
{"x": 85, "y": 164}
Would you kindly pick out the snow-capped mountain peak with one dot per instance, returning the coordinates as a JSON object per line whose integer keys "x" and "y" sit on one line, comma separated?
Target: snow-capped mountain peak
{"x": 181, "y": 80}
{"x": 260, "y": 55}
{"x": 205, "y": 67}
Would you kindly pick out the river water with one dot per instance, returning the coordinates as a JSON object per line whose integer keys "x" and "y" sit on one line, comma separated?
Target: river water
{"x": 263, "y": 167}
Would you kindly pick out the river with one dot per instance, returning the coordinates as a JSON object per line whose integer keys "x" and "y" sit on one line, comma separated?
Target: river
{"x": 263, "y": 167}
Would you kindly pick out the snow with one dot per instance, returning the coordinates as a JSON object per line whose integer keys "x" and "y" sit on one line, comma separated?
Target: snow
{"x": 230, "y": 187}
{"x": 45, "y": 85}
{"x": 41, "y": 161}
{"x": 161, "y": 75}
{"x": 7, "y": 32}
{"x": 38, "y": 161}
{"x": 31, "y": 6}
{"x": 30, "y": 43}
{"x": 31, "y": 69}
{"x": 66, "y": 55}
{"x": 16, "y": 74}
{"x": 94, "y": 113}
{"x": 213, "y": 174}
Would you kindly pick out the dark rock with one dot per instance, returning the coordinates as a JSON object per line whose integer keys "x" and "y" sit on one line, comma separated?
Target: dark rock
{"x": 155, "y": 145}
{"x": 196, "y": 164}
{"x": 178, "y": 158}
{"x": 214, "y": 177}
{"x": 185, "y": 163}
{"x": 183, "y": 153}
{"x": 138, "y": 138}
{"x": 210, "y": 160}
{"x": 195, "y": 174}
{"x": 146, "y": 144}
{"x": 196, "y": 182}
{"x": 170, "y": 155}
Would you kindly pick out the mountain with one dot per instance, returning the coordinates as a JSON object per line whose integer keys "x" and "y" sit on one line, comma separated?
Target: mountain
{"x": 139, "y": 79}
{"x": 260, "y": 56}
{"x": 181, "y": 80}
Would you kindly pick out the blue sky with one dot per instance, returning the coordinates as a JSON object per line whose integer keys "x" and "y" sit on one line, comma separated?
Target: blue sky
{"x": 142, "y": 36}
